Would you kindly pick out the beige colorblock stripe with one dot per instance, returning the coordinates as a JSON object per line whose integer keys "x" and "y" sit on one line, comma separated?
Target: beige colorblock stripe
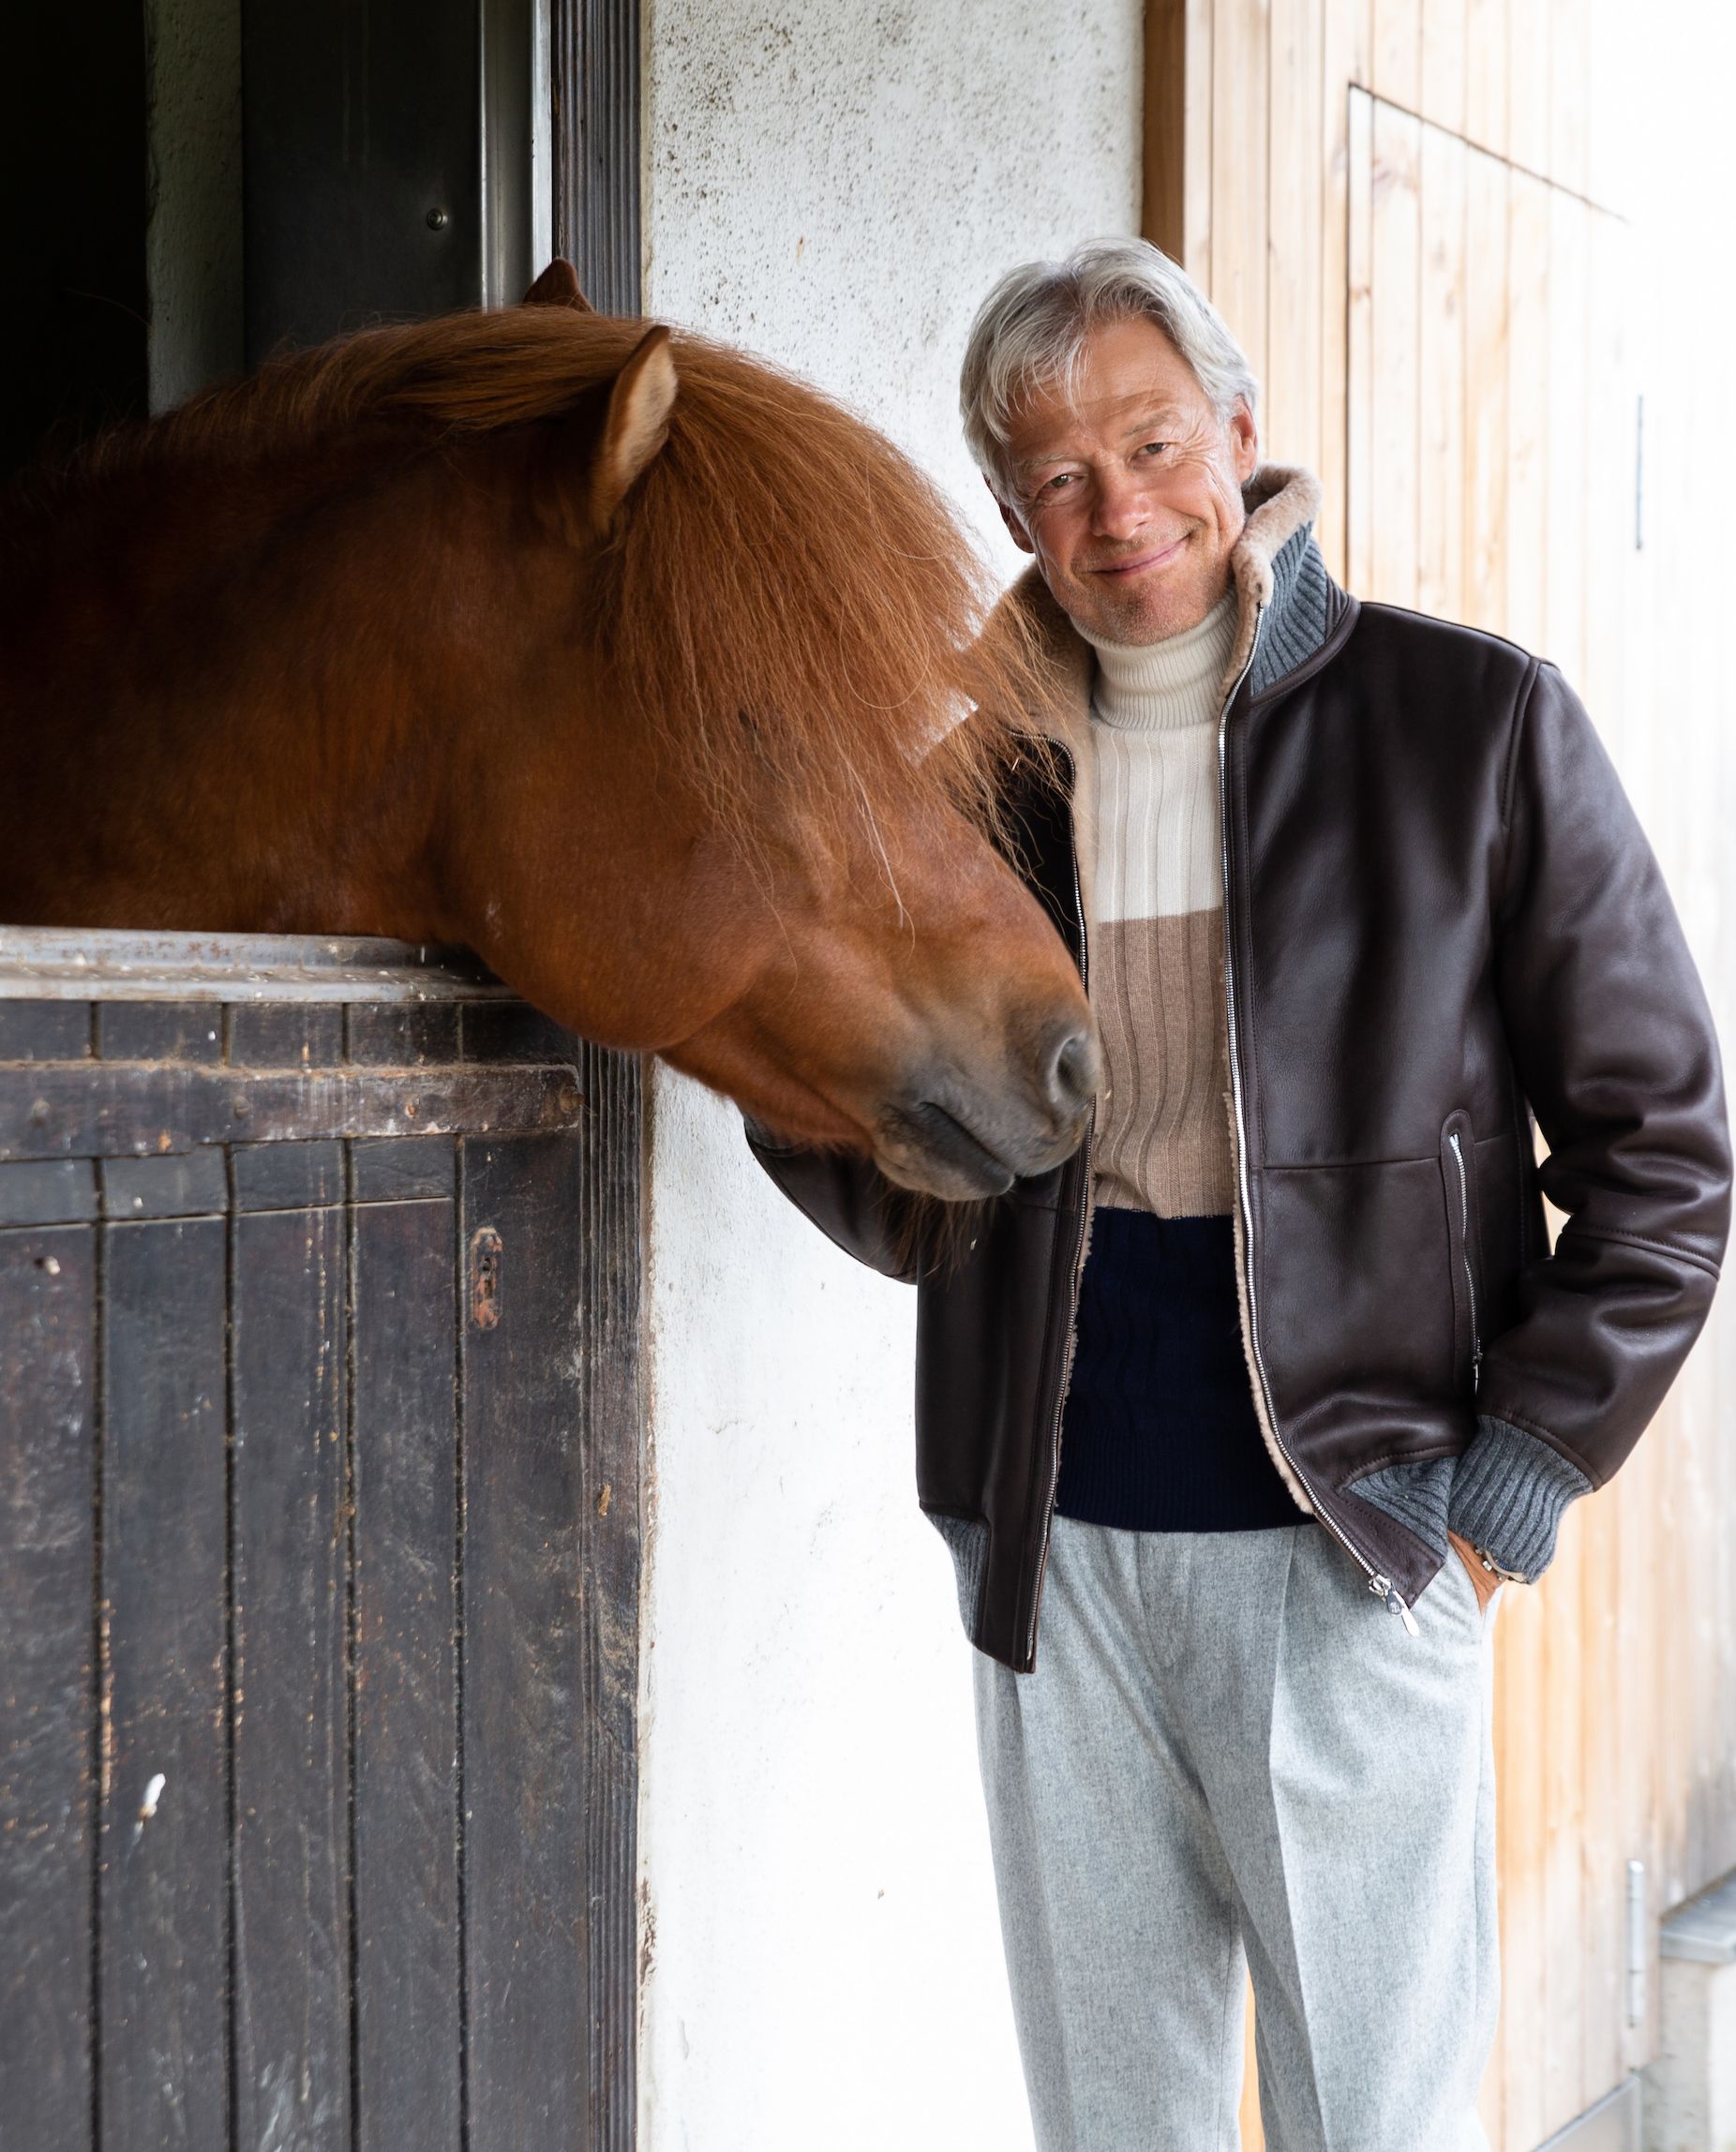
{"x": 1163, "y": 1143}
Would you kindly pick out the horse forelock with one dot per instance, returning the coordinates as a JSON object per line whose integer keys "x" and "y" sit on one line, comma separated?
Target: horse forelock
{"x": 785, "y": 600}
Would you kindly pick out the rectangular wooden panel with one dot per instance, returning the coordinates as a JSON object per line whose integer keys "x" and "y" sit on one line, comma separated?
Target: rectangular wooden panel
{"x": 408, "y": 1825}
{"x": 1399, "y": 51}
{"x": 1290, "y": 432}
{"x": 1443, "y": 97}
{"x": 1394, "y": 353}
{"x": 164, "y": 1927}
{"x": 1529, "y": 33}
{"x": 1165, "y": 128}
{"x": 1528, "y": 403}
{"x": 607, "y": 1362}
{"x": 44, "y": 1030}
{"x": 1346, "y": 32}
{"x": 1568, "y": 476}
{"x": 1486, "y": 74}
{"x": 47, "y": 1696}
{"x": 524, "y": 1675}
{"x": 1441, "y": 369}
{"x": 1484, "y": 472}
{"x": 1239, "y": 163}
{"x": 153, "y": 1111}
{"x": 291, "y": 1619}
{"x": 1360, "y": 462}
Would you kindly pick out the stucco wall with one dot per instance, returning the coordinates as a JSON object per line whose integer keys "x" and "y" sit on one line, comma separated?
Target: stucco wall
{"x": 834, "y": 185}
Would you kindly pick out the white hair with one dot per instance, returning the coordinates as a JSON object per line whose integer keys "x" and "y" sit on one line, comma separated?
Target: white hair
{"x": 1031, "y": 333}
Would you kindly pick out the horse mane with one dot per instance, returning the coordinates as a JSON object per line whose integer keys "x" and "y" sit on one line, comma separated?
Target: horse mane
{"x": 782, "y": 595}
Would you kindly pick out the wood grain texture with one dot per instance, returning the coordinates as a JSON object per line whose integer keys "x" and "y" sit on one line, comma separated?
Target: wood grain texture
{"x": 48, "y": 1398}
{"x": 1395, "y": 332}
{"x": 1164, "y": 133}
{"x": 1482, "y": 474}
{"x": 1241, "y": 59}
{"x": 289, "y": 1585}
{"x": 164, "y": 1792}
{"x": 524, "y": 1732}
{"x": 1291, "y": 429}
{"x": 1441, "y": 377}
{"x": 1487, "y": 73}
{"x": 407, "y": 1795}
{"x": 1442, "y": 95}
{"x": 1398, "y": 52}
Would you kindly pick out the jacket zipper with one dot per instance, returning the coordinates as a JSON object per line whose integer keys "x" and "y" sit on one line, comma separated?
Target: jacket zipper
{"x": 1078, "y": 1274}
{"x": 1464, "y": 1253}
{"x": 1380, "y": 1584}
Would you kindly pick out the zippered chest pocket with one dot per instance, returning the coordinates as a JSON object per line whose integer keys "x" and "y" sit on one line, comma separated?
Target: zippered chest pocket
{"x": 1464, "y": 1239}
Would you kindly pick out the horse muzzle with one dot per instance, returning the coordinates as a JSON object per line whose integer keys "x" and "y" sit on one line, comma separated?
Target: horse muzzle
{"x": 961, "y": 1141}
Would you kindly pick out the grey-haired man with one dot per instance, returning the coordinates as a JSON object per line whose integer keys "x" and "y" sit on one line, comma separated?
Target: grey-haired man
{"x": 1260, "y": 1397}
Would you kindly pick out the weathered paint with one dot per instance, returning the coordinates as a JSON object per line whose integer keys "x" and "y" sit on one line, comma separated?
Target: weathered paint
{"x": 836, "y": 187}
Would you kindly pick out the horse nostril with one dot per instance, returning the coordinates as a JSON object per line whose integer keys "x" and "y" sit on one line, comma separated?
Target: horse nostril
{"x": 1074, "y": 1073}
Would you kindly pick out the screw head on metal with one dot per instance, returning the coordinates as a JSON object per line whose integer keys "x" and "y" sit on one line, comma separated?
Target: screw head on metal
{"x": 438, "y": 221}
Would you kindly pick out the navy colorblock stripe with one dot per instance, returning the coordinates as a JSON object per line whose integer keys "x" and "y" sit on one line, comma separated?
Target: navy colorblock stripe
{"x": 1160, "y": 1432}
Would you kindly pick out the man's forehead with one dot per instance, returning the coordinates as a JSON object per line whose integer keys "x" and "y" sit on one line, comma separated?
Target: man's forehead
{"x": 1056, "y": 423}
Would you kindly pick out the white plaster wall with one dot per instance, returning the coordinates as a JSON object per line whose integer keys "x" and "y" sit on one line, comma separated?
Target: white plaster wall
{"x": 834, "y": 184}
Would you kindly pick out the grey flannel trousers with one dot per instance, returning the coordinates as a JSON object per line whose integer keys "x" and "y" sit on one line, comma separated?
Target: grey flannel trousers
{"x": 1231, "y": 1758}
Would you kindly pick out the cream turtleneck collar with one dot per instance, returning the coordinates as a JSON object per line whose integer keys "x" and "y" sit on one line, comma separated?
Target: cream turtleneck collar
{"x": 1166, "y": 686}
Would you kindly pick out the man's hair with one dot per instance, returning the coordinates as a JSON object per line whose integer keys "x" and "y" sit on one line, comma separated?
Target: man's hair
{"x": 1031, "y": 333}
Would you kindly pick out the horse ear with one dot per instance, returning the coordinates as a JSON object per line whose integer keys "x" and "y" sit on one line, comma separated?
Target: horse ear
{"x": 558, "y": 286}
{"x": 637, "y": 424}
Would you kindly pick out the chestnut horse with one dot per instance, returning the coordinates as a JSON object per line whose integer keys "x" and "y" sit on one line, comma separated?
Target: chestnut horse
{"x": 640, "y": 667}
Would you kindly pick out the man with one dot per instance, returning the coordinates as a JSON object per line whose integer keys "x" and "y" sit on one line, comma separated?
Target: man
{"x": 1261, "y": 1395}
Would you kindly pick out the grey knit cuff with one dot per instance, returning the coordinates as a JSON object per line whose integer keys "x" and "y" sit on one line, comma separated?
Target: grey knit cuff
{"x": 1509, "y": 1490}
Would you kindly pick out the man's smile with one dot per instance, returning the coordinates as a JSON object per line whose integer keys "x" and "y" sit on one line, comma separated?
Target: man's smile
{"x": 1153, "y": 557}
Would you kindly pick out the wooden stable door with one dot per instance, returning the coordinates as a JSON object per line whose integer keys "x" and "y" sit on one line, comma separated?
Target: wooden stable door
{"x": 318, "y": 1569}
{"x": 1489, "y": 473}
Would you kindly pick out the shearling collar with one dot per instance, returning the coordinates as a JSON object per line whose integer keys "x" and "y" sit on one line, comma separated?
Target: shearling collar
{"x": 1278, "y": 574}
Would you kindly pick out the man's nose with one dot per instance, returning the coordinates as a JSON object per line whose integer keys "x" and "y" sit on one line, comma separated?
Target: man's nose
{"x": 1120, "y": 508}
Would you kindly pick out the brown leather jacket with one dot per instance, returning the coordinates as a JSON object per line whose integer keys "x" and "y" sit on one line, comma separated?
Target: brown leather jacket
{"x": 1441, "y": 919}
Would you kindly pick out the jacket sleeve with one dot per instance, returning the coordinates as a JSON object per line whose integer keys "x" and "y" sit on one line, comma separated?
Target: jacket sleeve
{"x": 850, "y": 1200}
{"x": 1614, "y": 1048}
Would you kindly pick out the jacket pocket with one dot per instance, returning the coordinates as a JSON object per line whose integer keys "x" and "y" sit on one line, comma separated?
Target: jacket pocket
{"x": 1464, "y": 1245}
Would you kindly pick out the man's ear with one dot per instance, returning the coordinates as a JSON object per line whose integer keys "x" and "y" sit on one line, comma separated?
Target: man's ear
{"x": 558, "y": 286}
{"x": 636, "y": 425}
{"x": 1009, "y": 517}
{"x": 1243, "y": 442}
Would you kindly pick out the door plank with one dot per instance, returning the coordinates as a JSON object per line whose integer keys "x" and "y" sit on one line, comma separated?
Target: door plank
{"x": 162, "y": 1979}
{"x": 292, "y": 1765}
{"x": 524, "y": 1655}
{"x": 1395, "y": 249}
{"x": 1441, "y": 500}
{"x": 47, "y": 1553}
{"x": 407, "y": 1790}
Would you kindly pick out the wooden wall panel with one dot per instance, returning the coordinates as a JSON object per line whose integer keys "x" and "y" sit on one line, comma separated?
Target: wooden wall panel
{"x": 1484, "y": 471}
{"x": 1442, "y": 90}
{"x": 1291, "y": 426}
{"x": 1241, "y": 61}
{"x": 1470, "y": 402}
{"x": 1441, "y": 377}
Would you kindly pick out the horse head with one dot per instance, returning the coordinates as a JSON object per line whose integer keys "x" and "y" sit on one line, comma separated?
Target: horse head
{"x": 645, "y": 669}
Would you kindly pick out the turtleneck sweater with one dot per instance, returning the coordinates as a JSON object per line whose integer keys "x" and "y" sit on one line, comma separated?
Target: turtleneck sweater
{"x": 1163, "y": 1140}
{"x": 1160, "y": 1432}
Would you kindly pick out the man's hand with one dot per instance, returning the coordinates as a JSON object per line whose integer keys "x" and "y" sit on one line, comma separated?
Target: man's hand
{"x": 1484, "y": 1582}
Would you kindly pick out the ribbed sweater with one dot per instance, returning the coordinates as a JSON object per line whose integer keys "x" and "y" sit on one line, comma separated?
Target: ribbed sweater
{"x": 1163, "y": 1140}
{"x": 1160, "y": 1432}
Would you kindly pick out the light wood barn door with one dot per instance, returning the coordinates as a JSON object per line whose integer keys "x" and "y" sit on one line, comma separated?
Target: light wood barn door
{"x": 1489, "y": 479}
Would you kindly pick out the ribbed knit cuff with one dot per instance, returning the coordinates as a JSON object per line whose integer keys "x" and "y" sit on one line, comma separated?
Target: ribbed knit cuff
{"x": 1509, "y": 1490}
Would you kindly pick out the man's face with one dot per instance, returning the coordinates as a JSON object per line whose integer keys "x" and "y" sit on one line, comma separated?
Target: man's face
{"x": 1130, "y": 492}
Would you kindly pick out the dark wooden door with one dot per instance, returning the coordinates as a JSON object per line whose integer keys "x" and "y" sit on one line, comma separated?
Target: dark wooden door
{"x": 318, "y": 1575}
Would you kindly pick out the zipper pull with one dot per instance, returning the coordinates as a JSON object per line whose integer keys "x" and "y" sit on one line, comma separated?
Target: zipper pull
{"x": 1386, "y": 1592}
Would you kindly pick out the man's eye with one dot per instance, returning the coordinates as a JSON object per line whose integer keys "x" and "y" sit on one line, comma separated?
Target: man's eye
{"x": 1061, "y": 480}
{"x": 1153, "y": 448}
